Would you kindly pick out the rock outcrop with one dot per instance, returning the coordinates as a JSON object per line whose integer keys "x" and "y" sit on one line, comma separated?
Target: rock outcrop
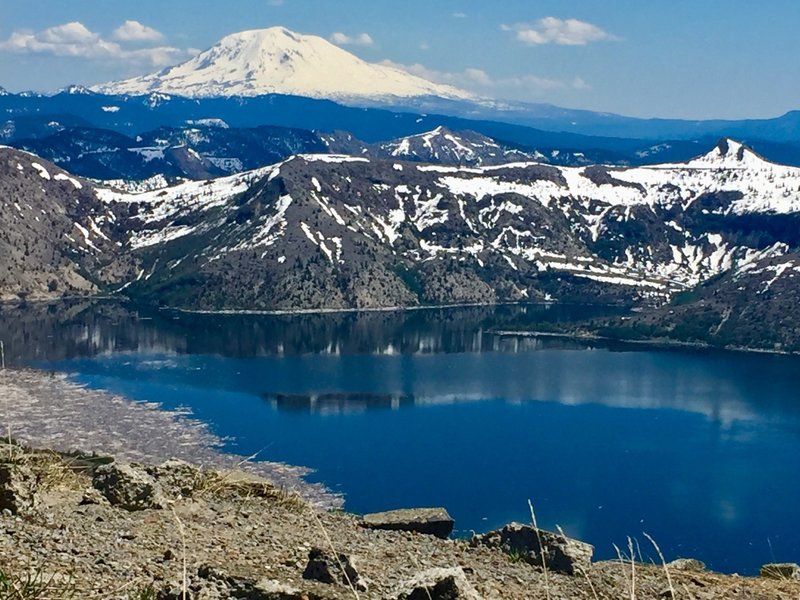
{"x": 554, "y": 551}
{"x": 686, "y": 564}
{"x": 231, "y": 539}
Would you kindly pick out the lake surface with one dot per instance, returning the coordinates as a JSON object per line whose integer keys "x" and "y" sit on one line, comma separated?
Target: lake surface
{"x": 698, "y": 449}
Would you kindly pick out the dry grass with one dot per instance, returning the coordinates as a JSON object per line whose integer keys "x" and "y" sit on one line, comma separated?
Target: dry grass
{"x": 53, "y": 470}
{"x": 35, "y": 584}
{"x": 184, "y": 570}
{"x": 664, "y": 563}
{"x": 541, "y": 549}
{"x": 335, "y": 554}
{"x": 235, "y": 483}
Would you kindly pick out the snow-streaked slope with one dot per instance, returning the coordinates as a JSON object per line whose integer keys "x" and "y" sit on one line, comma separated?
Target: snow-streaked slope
{"x": 653, "y": 230}
{"x": 448, "y": 147}
{"x": 279, "y": 61}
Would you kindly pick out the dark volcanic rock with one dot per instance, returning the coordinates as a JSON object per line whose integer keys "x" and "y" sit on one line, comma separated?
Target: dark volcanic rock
{"x": 556, "y": 552}
{"x": 429, "y": 521}
{"x": 323, "y": 566}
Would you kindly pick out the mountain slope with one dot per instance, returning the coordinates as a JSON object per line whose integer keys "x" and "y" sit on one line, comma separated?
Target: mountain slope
{"x": 56, "y": 238}
{"x": 42, "y": 116}
{"x": 202, "y": 151}
{"x": 276, "y": 60}
{"x": 328, "y": 231}
{"x": 323, "y": 231}
{"x": 754, "y": 306}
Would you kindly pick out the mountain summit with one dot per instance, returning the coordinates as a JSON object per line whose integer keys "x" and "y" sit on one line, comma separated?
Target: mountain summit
{"x": 279, "y": 61}
{"x": 729, "y": 154}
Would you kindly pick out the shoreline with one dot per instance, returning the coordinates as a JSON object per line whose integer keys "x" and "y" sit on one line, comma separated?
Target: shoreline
{"x": 334, "y": 311}
{"x": 50, "y": 411}
{"x": 651, "y": 342}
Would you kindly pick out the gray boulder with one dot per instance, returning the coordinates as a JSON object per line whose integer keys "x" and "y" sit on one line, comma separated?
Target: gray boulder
{"x": 429, "y": 521}
{"x": 782, "y": 571}
{"x": 17, "y": 489}
{"x": 128, "y": 487}
{"x": 439, "y": 584}
{"x": 270, "y": 589}
{"x": 557, "y": 552}
{"x": 686, "y": 564}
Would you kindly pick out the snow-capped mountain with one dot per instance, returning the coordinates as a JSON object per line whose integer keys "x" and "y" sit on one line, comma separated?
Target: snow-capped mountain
{"x": 75, "y": 90}
{"x": 279, "y": 61}
{"x": 442, "y": 146}
{"x": 729, "y": 154}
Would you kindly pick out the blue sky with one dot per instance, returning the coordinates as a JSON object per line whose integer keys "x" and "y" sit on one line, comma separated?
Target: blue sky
{"x": 666, "y": 58}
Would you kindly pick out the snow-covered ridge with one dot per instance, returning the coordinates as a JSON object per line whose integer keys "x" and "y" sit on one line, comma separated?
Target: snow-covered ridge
{"x": 279, "y": 61}
{"x": 765, "y": 187}
{"x": 465, "y": 148}
{"x": 639, "y": 228}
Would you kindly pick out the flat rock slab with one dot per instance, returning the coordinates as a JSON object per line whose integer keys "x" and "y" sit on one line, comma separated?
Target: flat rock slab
{"x": 429, "y": 521}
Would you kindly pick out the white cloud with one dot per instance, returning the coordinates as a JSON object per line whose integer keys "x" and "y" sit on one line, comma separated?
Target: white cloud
{"x": 75, "y": 40}
{"x": 564, "y": 32}
{"x": 342, "y": 39}
{"x": 133, "y": 31}
{"x": 459, "y": 15}
{"x": 480, "y": 81}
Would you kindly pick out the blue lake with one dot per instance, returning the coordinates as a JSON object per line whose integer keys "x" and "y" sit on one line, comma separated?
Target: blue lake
{"x": 698, "y": 449}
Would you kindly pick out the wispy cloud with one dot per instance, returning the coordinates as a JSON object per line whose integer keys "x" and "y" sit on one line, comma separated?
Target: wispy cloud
{"x": 478, "y": 80}
{"x": 459, "y": 15}
{"x": 564, "y": 32}
{"x": 134, "y": 31}
{"x": 74, "y": 39}
{"x": 361, "y": 39}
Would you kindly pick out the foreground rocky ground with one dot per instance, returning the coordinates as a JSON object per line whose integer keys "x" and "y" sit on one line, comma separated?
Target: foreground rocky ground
{"x": 80, "y": 526}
